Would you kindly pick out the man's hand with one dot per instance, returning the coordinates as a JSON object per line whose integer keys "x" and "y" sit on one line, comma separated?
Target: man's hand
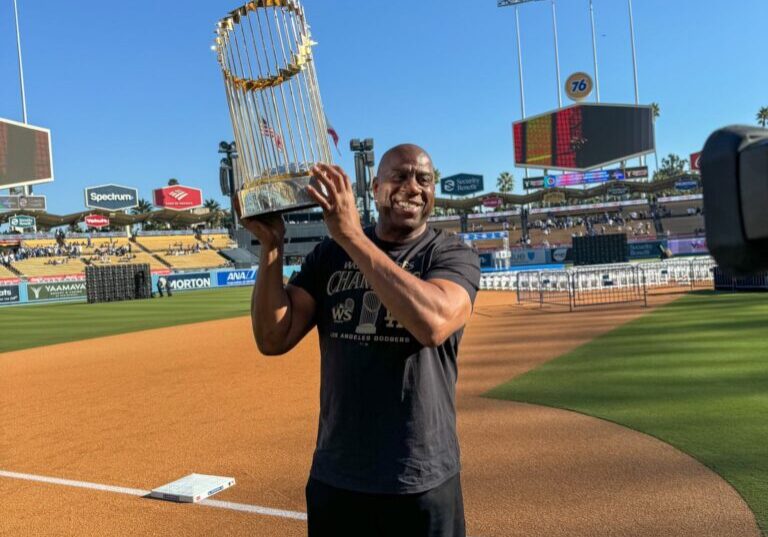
{"x": 269, "y": 229}
{"x": 339, "y": 207}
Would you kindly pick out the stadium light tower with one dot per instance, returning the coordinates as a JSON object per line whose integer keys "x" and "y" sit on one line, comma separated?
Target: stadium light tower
{"x": 594, "y": 51}
{"x": 634, "y": 56}
{"x": 506, "y": 3}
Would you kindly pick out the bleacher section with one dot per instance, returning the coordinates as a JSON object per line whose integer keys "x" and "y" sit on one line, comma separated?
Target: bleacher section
{"x": 219, "y": 241}
{"x": 164, "y": 243}
{"x": 38, "y": 243}
{"x": 136, "y": 256}
{"x": 41, "y": 266}
{"x": 201, "y": 259}
{"x": 5, "y": 273}
{"x": 683, "y": 225}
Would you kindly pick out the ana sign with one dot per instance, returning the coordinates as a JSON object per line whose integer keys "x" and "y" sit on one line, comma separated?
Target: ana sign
{"x": 178, "y": 198}
{"x": 461, "y": 184}
{"x": 111, "y": 197}
{"x": 236, "y": 277}
{"x": 96, "y": 220}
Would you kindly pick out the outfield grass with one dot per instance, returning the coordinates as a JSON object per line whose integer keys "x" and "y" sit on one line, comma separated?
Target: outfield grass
{"x": 32, "y": 326}
{"x": 693, "y": 374}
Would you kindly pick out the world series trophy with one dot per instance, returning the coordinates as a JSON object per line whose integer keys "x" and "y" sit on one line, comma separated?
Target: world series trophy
{"x": 264, "y": 49}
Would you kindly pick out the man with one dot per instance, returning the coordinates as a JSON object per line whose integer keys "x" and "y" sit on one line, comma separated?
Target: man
{"x": 390, "y": 303}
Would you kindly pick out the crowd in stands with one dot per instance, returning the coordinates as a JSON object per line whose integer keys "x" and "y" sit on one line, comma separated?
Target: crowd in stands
{"x": 25, "y": 252}
{"x": 179, "y": 248}
{"x": 634, "y": 224}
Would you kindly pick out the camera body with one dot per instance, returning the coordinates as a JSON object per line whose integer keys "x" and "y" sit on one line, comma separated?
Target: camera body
{"x": 734, "y": 172}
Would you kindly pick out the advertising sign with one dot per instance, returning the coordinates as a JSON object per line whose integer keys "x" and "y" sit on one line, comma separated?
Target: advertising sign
{"x": 695, "y": 164}
{"x": 688, "y": 246}
{"x": 686, "y": 184}
{"x": 96, "y": 220}
{"x": 111, "y": 197}
{"x": 14, "y": 203}
{"x": 461, "y": 184}
{"x": 492, "y": 202}
{"x": 186, "y": 282}
{"x": 178, "y": 198}
{"x": 578, "y": 86}
{"x": 236, "y": 277}
{"x": 528, "y": 257}
{"x": 56, "y": 290}
{"x": 9, "y": 294}
{"x": 587, "y": 178}
{"x": 645, "y": 250}
{"x": 22, "y": 221}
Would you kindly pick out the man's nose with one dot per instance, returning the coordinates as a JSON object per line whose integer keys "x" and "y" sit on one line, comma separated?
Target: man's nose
{"x": 411, "y": 183}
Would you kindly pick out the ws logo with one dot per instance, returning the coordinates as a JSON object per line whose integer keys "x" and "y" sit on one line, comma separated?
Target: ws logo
{"x": 342, "y": 312}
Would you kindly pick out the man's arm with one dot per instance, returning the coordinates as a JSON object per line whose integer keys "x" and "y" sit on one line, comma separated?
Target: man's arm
{"x": 431, "y": 310}
{"x": 280, "y": 315}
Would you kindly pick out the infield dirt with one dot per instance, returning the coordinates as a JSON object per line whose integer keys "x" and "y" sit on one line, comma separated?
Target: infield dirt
{"x": 142, "y": 409}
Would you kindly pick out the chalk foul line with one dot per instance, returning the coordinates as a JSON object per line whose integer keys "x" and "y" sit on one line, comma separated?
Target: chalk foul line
{"x": 243, "y": 507}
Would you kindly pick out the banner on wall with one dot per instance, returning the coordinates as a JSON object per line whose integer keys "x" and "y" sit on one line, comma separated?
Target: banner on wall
{"x": 186, "y": 282}
{"x": 65, "y": 290}
{"x": 9, "y": 294}
{"x": 229, "y": 278}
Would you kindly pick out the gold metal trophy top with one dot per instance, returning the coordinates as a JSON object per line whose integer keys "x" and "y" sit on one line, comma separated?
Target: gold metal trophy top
{"x": 264, "y": 49}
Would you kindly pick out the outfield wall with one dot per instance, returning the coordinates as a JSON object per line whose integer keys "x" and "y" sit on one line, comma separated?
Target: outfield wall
{"x": 52, "y": 289}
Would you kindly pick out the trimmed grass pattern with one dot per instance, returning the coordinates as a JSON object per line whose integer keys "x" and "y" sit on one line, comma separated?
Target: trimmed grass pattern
{"x": 33, "y": 326}
{"x": 693, "y": 374}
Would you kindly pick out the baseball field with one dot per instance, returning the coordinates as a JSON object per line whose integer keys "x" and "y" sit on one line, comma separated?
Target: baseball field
{"x": 615, "y": 421}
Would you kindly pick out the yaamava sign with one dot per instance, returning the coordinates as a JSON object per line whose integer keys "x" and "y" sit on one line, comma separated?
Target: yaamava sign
{"x": 56, "y": 290}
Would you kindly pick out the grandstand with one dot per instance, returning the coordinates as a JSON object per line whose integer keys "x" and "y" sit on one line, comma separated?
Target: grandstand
{"x": 201, "y": 259}
{"x": 683, "y": 226}
{"x": 219, "y": 241}
{"x": 49, "y": 266}
{"x": 135, "y": 256}
{"x": 165, "y": 243}
{"x": 5, "y": 273}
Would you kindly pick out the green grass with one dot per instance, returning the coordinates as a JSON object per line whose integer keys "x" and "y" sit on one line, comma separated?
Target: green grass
{"x": 693, "y": 374}
{"x": 32, "y": 326}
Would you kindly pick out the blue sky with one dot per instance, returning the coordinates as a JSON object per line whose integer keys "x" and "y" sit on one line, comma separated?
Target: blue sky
{"x": 133, "y": 94}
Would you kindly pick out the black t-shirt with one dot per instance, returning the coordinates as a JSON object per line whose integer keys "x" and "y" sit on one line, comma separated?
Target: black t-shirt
{"x": 387, "y": 403}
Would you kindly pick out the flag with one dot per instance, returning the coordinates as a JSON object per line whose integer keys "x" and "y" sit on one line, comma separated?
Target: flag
{"x": 334, "y": 135}
{"x": 269, "y": 132}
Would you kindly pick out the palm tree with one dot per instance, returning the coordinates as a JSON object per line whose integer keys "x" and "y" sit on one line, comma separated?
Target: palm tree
{"x": 762, "y": 116}
{"x": 437, "y": 176}
{"x": 173, "y": 181}
{"x": 214, "y": 208}
{"x": 505, "y": 183}
{"x": 143, "y": 207}
{"x": 655, "y": 110}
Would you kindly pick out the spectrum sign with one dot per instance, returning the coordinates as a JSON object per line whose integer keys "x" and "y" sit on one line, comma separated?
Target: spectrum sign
{"x": 178, "y": 198}
{"x": 111, "y": 197}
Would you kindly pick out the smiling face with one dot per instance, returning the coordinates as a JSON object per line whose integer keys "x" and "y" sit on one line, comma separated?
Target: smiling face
{"x": 404, "y": 190}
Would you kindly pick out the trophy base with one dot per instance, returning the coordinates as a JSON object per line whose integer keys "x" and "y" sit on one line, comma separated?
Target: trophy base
{"x": 281, "y": 196}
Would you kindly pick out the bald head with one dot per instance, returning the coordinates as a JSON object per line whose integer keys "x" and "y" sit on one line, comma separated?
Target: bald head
{"x": 407, "y": 152}
{"x": 404, "y": 191}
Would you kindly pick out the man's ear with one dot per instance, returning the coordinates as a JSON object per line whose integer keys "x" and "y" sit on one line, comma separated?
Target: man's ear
{"x": 375, "y": 188}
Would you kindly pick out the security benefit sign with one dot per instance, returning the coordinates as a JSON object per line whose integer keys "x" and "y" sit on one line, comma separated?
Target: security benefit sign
{"x": 65, "y": 290}
{"x": 236, "y": 277}
{"x": 461, "y": 184}
{"x": 9, "y": 294}
{"x": 111, "y": 197}
{"x": 188, "y": 282}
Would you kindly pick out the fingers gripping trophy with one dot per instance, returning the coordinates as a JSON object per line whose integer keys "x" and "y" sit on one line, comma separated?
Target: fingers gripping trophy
{"x": 265, "y": 52}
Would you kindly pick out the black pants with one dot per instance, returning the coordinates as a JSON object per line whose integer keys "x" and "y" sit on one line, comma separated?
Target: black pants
{"x": 333, "y": 512}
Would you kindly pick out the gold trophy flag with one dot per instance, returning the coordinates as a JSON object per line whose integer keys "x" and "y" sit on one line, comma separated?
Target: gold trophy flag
{"x": 265, "y": 52}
